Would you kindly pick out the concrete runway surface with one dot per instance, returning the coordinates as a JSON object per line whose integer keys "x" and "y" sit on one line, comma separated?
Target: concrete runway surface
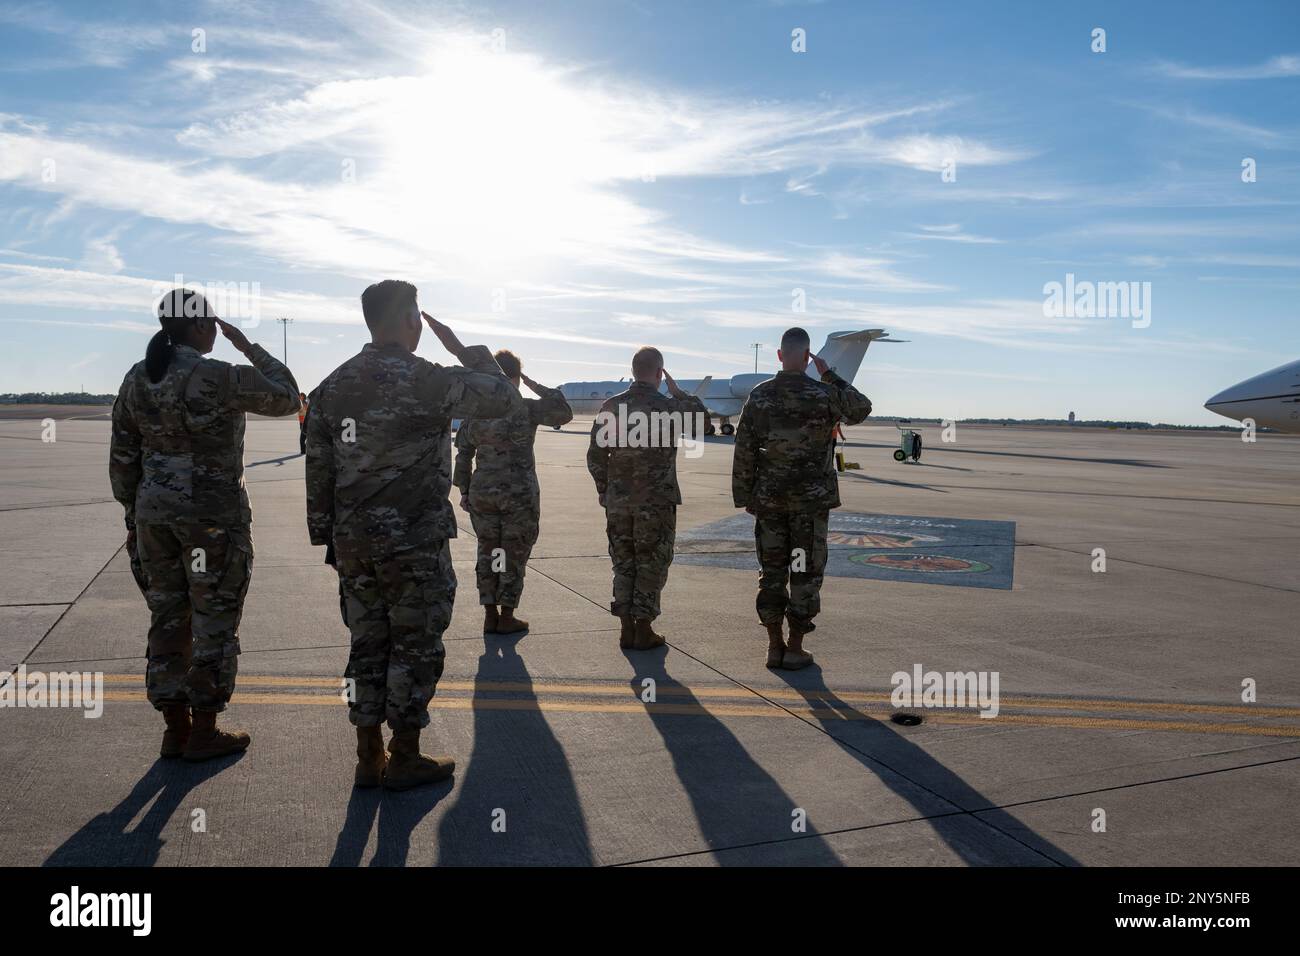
{"x": 1119, "y": 692}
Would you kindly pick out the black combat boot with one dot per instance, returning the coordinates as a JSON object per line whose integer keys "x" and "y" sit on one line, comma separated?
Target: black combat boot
{"x": 490, "y": 618}
{"x": 627, "y": 632}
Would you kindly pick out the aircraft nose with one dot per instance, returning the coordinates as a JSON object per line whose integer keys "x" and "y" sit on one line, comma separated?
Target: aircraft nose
{"x": 1228, "y": 395}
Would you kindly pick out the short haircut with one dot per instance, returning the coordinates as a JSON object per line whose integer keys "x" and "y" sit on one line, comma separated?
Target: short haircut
{"x": 386, "y": 301}
{"x": 509, "y": 363}
{"x": 647, "y": 361}
{"x": 795, "y": 340}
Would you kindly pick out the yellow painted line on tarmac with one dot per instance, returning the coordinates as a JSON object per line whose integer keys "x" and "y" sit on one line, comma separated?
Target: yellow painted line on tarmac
{"x": 761, "y": 709}
{"x": 741, "y": 693}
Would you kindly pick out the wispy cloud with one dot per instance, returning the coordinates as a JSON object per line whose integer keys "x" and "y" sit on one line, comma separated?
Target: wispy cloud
{"x": 951, "y": 232}
{"x": 609, "y": 200}
{"x": 869, "y": 273}
{"x": 1273, "y": 68}
{"x": 1227, "y": 125}
{"x": 536, "y": 177}
{"x": 102, "y": 256}
{"x": 641, "y": 320}
{"x": 84, "y": 361}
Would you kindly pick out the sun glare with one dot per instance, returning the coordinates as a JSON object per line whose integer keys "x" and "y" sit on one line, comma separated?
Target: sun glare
{"x": 500, "y": 162}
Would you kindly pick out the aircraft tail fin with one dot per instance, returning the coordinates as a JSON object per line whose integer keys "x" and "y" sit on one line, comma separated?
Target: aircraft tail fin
{"x": 704, "y": 384}
{"x": 843, "y": 351}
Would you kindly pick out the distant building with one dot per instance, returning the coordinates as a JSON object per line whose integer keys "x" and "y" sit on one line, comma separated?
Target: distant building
{"x": 1071, "y": 417}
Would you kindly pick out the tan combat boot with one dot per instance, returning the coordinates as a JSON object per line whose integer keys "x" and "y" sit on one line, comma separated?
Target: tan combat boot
{"x": 509, "y": 624}
{"x": 775, "y": 645}
{"x": 371, "y": 758}
{"x": 627, "y": 633}
{"x": 796, "y": 658}
{"x": 490, "y": 618}
{"x": 645, "y": 638}
{"x": 206, "y": 741}
{"x": 177, "y": 734}
{"x": 408, "y": 768}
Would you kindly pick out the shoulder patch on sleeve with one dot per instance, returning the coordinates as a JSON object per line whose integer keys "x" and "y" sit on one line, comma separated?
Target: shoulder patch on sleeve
{"x": 242, "y": 378}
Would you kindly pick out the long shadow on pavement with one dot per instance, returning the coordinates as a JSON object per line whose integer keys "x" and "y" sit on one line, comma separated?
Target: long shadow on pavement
{"x": 729, "y": 791}
{"x": 888, "y": 749}
{"x": 105, "y": 839}
{"x": 398, "y": 815}
{"x": 517, "y": 766}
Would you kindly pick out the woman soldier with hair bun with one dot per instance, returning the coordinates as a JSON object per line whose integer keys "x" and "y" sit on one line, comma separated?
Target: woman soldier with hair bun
{"x": 177, "y": 466}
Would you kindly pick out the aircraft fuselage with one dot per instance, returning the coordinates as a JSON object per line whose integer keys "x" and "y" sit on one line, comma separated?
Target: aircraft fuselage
{"x": 1270, "y": 400}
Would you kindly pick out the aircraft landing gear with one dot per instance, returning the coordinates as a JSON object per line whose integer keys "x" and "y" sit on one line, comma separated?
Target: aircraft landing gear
{"x": 726, "y": 428}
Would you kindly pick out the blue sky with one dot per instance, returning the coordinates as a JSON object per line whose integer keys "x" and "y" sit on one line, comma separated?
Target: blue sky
{"x": 572, "y": 180}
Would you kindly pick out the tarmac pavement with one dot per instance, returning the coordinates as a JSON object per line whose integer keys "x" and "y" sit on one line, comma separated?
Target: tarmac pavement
{"x": 1119, "y": 691}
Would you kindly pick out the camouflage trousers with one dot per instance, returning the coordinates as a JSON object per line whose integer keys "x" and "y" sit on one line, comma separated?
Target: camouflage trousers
{"x": 785, "y": 542}
{"x": 194, "y": 580}
{"x": 505, "y": 540}
{"x": 641, "y": 548}
{"x": 397, "y": 610}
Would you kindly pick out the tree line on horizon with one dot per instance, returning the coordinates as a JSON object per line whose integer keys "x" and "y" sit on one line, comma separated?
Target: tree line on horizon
{"x": 54, "y": 398}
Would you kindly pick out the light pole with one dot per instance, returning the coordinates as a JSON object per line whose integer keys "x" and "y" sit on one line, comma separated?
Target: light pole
{"x": 756, "y": 346}
{"x": 285, "y": 322}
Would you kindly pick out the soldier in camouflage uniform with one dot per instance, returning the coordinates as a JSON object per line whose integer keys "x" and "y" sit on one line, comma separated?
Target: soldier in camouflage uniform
{"x": 501, "y": 494}
{"x": 783, "y": 473}
{"x": 176, "y": 464}
{"x": 378, "y": 474}
{"x": 635, "y": 471}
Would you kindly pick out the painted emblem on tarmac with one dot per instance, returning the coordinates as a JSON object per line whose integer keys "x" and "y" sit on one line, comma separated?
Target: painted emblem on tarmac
{"x": 879, "y": 539}
{"x": 958, "y": 552}
{"x": 926, "y": 563}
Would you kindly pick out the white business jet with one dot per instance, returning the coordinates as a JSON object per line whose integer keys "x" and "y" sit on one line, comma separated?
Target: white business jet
{"x": 724, "y": 397}
{"x": 1271, "y": 400}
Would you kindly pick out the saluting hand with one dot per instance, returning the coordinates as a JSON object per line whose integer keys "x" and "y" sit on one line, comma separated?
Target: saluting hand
{"x": 445, "y": 335}
{"x": 530, "y": 383}
{"x": 673, "y": 388}
{"x": 821, "y": 365}
{"x": 237, "y": 338}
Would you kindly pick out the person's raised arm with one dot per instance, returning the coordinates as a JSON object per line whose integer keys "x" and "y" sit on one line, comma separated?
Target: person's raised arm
{"x": 479, "y": 389}
{"x": 850, "y": 405}
{"x": 266, "y": 387}
{"x": 125, "y": 464}
{"x": 683, "y": 402}
{"x": 549, "y": 408}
